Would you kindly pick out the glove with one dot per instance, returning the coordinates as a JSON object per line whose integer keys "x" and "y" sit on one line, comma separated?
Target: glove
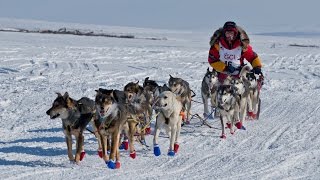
{"x": 257, "y": 70}
{"x": 230, "y": 69}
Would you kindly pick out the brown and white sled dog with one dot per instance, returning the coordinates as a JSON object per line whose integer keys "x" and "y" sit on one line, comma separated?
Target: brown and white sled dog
{"x": 139, "y": 110}
{"x": 75, "y": 116}
{"x": 182, "y": 89}
{"x": 112, "y": 118}
{"x": 169, "y": 117}
{"x": 209, "y": 87}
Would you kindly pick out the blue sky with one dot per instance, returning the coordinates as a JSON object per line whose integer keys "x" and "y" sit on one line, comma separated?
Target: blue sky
{"x": 170, "y": 14}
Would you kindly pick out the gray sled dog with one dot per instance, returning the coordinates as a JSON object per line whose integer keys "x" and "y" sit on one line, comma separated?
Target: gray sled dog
{"x": 182, "y": 89}
{"x": 169, "y": 117}
{"x": 112, "y": 119}
{"x": 228, "y": 105}
{"x": 75, "y": 116}
{"x": 253, "y": 102}
{"x": 242, "y": 91}
{"x": 209, "y": 87}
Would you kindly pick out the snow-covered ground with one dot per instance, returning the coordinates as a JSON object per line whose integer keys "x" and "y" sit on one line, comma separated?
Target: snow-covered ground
{"x": 283, "y": 144}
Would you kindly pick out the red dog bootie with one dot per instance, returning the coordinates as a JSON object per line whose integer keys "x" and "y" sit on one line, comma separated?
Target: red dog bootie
{"x": 228, "y": 125}
{"x": 148, "y": 130}
{"x": 252, "y": 115}
{"x": 118, "y": 164}
{"x": 176, "y": 147}
{"x": 125, "y": 144}
{"x": 238, "y": 125}
{"x": 133, "y": 155}
{"x": 100, "y": 153}
{"x": 83, "y": 153}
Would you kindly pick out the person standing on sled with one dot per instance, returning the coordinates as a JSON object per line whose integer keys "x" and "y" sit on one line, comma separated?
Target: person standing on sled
{"x": 229, "y": 47}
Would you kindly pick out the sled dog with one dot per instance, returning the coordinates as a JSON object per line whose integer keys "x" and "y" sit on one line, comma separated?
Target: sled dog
{"x": 112, "y": 118}
{"x": 139, "y": 110}
{"x": 150, "y": 86}
{"x": 228, "y": 106}
{"x": 182, "y": 89}
{"x": 242, "y": 92}
{"x": 253, "y": 102}
{"x": 75, "y": 116}
{"x": 169, "y": 117}
{"x": 209, "y": 87}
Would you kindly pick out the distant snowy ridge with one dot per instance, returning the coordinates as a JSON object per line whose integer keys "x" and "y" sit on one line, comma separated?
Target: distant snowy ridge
{"x": 78, "y": 33}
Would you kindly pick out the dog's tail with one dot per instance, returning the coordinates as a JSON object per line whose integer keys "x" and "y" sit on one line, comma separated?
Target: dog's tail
{"x": 245, "y": 69}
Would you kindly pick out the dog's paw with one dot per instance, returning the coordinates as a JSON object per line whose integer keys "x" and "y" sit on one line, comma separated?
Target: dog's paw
{"x": 148, "y": 130}
{"x": 171, "y": 153}
{"x": 223, "y": 136}
{"x": 124, "y": 145}
{"x": 118, "y": 164}
{"x": 252, "y": 115}
{"x": 238, "y": 125}
{"x": 228, "y": 125}
{"x": 176, "y": 147}
{"x": 100, "y": 153}
{"x": 83, "y": 153}
{"x": 111, "y": 164}
{"x": 156, "y": 150}
{"x": 133, "y": 154}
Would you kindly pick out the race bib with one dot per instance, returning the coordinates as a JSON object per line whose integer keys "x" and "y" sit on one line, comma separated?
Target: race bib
{"x": 231, "y": 57}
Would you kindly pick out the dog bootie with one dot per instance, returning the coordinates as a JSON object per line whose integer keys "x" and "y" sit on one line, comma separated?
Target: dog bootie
{"x": 252, "y": 115}
{"x": 156, "y": 150}
{"x": 223, "y": 136}
{"x": 124, "y": 145}
{"x": 118, "y": 164}
{"x": 176, "y": 147}
{"x": 100, "y": 153}
{"x": 228, "y": 125}
{"x": 83, "y": 153}
{"x": 111, "y": 164}
{"x": 148, "y": 130}
{"x": 238, "y": 125}
{"x": 171, "y": 153}
{"x": 133, "y": 154}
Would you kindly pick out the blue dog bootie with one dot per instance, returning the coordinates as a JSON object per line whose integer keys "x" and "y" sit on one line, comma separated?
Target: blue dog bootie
{"x": 171, "y": 153}
{"x": 156, "y": 150}
{"x": 111, "y": 164}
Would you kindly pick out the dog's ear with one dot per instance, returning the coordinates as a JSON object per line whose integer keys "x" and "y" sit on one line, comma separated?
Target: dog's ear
{"x": 66, "y": 95}
{"x": 59, "y": 95}
{"x": 170, "y": 76}
{"x": 146, "y": 79}
{"x": 114, "y": 95}
{"x": 208, "y": 70}
{"x": 70, "y": 103}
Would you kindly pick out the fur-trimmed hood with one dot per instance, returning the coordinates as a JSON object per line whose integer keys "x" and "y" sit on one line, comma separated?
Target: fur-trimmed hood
{"x": 245, "y": 41}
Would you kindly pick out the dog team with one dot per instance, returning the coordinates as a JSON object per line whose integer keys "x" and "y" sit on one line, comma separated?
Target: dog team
{"x": 126, "y": 112}
{"x": 123, "y": 115}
